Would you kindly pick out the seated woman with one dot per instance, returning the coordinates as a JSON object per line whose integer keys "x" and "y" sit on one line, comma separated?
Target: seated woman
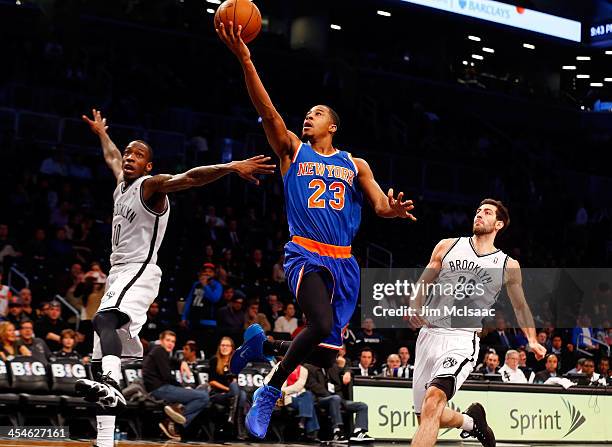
{"x": 8, "y": 350}
{"x": 224, "y": 386}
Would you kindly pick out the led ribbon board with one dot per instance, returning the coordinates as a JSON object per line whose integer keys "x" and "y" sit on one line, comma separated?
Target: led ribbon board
{"x": 509, "y": 15}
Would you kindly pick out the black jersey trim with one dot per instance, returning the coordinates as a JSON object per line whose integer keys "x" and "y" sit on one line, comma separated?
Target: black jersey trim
{"x": 144, "y": 264}
{"x": 146, "y": 207}
{"x": 486, "y": 254}
{"x": 451, "y": 247}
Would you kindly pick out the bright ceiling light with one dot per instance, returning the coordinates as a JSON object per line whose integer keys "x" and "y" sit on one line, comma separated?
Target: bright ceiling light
{"x": 210, "y": 11}
{"x": 596, "y": 84}
{"x": 336, "y": 27}
{"x": 475, "y": 38}
{"x": 383, "y": 13}
{"x": 569, "y": 67}
{"x": 529, "y": 46}
{"x": 583, "y": 76}
{"x": 488, "y": 50}
{"x": 583, "y": 58}
{"x": 477, "y": 56}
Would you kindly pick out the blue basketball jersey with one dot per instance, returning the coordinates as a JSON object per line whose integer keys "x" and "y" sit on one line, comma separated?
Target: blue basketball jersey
{"x": 323, "y": 196}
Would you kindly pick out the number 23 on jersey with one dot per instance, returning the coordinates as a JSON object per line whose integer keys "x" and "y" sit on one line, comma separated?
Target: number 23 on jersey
{"x": 316, "y": 201}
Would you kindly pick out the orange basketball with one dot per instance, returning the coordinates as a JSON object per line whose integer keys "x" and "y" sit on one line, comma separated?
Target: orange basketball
{"x": 240, "y": 12}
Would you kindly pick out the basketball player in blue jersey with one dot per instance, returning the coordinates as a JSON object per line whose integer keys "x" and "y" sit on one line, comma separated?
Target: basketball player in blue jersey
{"x": 324, "y": 190}
{"x": 446, "y": 352}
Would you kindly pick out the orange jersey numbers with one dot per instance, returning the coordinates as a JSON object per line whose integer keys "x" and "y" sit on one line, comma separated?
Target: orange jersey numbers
{"x": 315, "y": 200}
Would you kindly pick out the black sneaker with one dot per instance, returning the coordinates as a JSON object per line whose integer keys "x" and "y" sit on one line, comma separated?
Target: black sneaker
{"x": 481, "y": 430}
{"x": 361, "y": 436}
{"x": 339, "y": 438}
{"x": 106, "y": 392}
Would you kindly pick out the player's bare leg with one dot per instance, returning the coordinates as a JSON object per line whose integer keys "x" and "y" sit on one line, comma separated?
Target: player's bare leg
{"x": 431, "y": 414}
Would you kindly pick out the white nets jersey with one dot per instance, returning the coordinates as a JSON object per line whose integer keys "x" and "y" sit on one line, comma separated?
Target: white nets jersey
{"x": 468, "y": 286}
{"x": 138, "y": 231}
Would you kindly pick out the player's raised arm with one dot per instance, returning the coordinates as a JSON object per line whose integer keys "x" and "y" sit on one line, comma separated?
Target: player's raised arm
{"x": 202, "y": 175}
{"x": 112, "y": 155}
{"x": 514, "y": 286}
{"x": 283, "y": 141}
{"x": 385, "y": 205}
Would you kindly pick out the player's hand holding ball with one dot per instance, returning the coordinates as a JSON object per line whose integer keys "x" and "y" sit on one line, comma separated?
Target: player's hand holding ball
{"x": 238, "y": 22}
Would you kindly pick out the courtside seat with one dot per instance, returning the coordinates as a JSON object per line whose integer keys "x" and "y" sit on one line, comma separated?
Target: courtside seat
{"x": 9, "y": 402}
{"x": 64, "y": 375}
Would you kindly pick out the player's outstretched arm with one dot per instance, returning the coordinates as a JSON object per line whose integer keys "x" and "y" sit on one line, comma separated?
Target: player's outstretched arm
{"x": 385, "y": 205}
{"x": 514, "y": 286}
{"x": 200, "y": 176}
{"x": 112, "y": 155}
{"x": 283, "y": 141}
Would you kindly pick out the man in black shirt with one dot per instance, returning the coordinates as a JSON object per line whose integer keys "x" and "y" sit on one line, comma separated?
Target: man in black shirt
{"x": 159, "y": 381}
{"x": 39, "y": 349}
{"x": 319, "y": 384}
{"x": 51, "y": 326}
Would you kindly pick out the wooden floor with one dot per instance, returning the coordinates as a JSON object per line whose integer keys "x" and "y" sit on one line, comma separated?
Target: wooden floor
{"x": 21, "y": 443}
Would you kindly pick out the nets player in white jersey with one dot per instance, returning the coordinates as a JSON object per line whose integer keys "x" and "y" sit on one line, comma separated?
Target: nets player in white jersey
{"x": 447, "y": 346}
{"x": 140, "y": 216}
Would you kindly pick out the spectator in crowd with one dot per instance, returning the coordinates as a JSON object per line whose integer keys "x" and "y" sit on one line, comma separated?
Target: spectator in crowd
{"x": 273, "y": 308}
{"x": 161, "y": 383}
{"x": 255, "y": 271}
{"x": 50, "y": 326}
{"x": 527, "y": 370}
{"x": 550, "y": 371}
{"x": 254, "y": 316}
{"x": 36, "y": 249}
{"x": 233, "y": 236}
{"x": 278, "y": 272}
{"x": 37, "y": 346}
{"x": 583, "y": 333}
{"x": 212, "y": 218}
{"x": 578, "y": 368}
{"x": 296, "y": 396}
{"x": 406, "y": 369}
{"x": 68, "y": 341}
{"x": 365, "y": 367}
{"x": 604, "y": 367}
{"x": 287, "y": 323}
{"x": 226, "y": 297}
{"x": 564, "y": 354}
{"x": 588, "y": 369}
{"x": 95, "y": 271}
{"x": 153, "y": 326}
{"x": 224, "y": 386}
{"x": 392, "y": 367}
{"x": 60, "y": 248}
{"x": 190, "y": 353}
{"x": 543, "y": 339}
{"x": 491, "y": 364}
{"x": 69, "y": 281}
{"x": 368, "y": 336}
{"x": 230, "y": 318}
{"x": 339, "y": 375}
{"x": 55, "y": 164}
{"x": 500, "y": 339}
{"x": 510, "y": 372}
{"x": 200, "y": 307}
{"x": 229, "y": 270}
{"x": 5, "y": 297}
{"x": 9, "y": 348}
{"x": 318, "y": 384}
{"x": 15, "y": 312}
{"x": 26, "y": 300}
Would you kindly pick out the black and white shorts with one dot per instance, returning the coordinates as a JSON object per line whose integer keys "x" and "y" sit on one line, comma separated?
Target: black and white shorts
{"x": 130, "y": 289}
{"x": 442, "y": 352}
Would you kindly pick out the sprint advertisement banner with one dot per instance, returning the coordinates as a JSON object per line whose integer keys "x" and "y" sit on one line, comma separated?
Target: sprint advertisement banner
{"x": 512, "y": 415}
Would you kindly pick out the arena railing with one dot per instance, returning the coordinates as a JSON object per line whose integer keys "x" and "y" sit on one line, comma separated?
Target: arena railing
{"x": 71, "y": 308}
{"x": 11, "y": 280}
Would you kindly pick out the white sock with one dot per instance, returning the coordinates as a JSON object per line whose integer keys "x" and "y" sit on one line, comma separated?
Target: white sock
{"x": 106, "y": 431}
{"x": 112, "y": 364}
{"x": 468, "y": 423}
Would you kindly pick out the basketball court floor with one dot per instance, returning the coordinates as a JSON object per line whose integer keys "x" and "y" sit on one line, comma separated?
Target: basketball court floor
{"x": 21, "y": 443}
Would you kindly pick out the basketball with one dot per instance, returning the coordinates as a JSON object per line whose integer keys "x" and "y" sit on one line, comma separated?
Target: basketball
{"x": 240, "y": 12}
